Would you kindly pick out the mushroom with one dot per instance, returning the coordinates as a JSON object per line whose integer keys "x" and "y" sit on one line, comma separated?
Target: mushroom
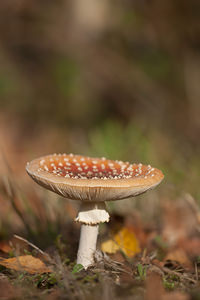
{"x": 92, "y": 181}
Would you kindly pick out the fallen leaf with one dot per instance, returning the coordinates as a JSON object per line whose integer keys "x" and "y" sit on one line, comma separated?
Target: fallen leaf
{"x": 125, "y": 240}
{"x": 177, "y": 229}
{"x": 5, "y": 247}
{"x": 26, "y": 263}
{"x": 191, "y": 246}
{"x": 179, "y": 256}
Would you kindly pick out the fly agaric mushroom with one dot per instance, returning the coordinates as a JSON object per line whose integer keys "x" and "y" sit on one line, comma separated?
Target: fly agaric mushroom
{"x": 92, "y": 181}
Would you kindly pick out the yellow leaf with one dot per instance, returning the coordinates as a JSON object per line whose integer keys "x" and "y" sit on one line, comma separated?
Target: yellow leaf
{"x": 26, "y": 263}
{"x": 125, "y": 240}
{"x": 109, "y": 247}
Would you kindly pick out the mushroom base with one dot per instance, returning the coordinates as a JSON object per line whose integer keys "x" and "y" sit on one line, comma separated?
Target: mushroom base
{"x": 87, "y": 245}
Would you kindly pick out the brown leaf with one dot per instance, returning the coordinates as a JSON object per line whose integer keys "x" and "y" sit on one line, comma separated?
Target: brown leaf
{"x": 179, "y": 256}
{"x": 176, "y": 229}
{"x": 191, "y": 246}
{"x": 5, "y": 247}
{"x": 26, "y": 263}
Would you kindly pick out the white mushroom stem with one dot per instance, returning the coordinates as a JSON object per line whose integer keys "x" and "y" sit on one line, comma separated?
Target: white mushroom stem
{"x": 90, "y": 215}
{"x": 87, "y": 245}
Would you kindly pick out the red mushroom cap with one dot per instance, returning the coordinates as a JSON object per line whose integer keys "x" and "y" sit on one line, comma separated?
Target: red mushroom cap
{"x": 92, "y": 179}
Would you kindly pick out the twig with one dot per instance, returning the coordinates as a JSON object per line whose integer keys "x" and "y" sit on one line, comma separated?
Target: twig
{"x": 178, "y": 274}
{"x": 34, "y": 247}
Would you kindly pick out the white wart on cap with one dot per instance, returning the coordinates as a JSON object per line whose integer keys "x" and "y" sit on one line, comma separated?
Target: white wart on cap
{"x": 92, "y": 179}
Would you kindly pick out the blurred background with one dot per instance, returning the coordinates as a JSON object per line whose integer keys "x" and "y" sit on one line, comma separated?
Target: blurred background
{"x": 118, "y": 79}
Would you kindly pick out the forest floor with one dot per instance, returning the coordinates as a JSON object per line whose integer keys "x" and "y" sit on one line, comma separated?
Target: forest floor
{"x": 149, "y": 250}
